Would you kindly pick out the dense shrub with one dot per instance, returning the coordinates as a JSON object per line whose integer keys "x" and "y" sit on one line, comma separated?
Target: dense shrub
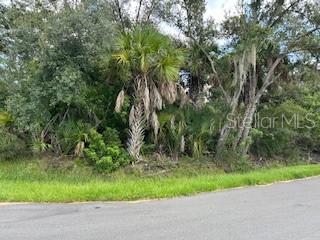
{"x": 3, "y": 93}
{"x": 277, "y": 142}
{"x": 11, "y": 147}
{"x": 232, "y": 161}
{"x": 5, "y": 119}
{"x": 111, "y": 137}
{"x": 105, "y": 157}
{"x": 278, "y": 129}
{"x": 193, "y": 130}
{"x": 72, "y": 136}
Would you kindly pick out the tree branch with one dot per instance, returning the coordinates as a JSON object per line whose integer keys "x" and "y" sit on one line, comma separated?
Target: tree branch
{"x": 269, "y": 77}
{"x": 213, "y": 68}
{"x": 284, "y": 13}
{"x": 118, "y": 9}
{"x": 139, "y": 9}
{"x": 151, "y": 8}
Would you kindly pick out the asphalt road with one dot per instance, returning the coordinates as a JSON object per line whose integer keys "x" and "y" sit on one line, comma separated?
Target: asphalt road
{"x": 288, "y": 211}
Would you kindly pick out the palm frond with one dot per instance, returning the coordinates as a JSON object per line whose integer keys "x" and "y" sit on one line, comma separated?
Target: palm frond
{"x": 119, "y": 101}
{"x": 182, "y": 144}
{"x": 122, "y": 57}
{"x": 155, "y": 124}
{"x": 146, "y": 102}
{"x": 169, "y": 91}
{"x": 156, "y": 98}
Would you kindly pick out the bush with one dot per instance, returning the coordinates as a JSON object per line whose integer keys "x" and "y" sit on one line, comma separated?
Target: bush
{"x": 11, "y": 146}
{"x": 72, "y": 136}
{"x": 273, "y": 142}
{"x": 233, "y": 160}
{"x": 278, "y": 137}
{"x": 103, "y": 156}
{"x": 111, "y": 136}
{"x": 5, "y": 119}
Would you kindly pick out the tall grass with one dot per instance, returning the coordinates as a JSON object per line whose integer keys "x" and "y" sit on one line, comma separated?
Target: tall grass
{"x": 25, "y": 182}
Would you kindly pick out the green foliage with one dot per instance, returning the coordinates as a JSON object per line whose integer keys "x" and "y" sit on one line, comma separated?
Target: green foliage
{"x": 279, "y": 129}
{"x": 188, "y": 17}
{"x": 233, "y": 161}
{"x": 273, "y": 143}
{"x": 23, "y": 181}
{"x": 111, "y": 137}
{"x": 66, "y": 88}
{"x": 60, "y": 80}
{"x": 3, "y": 92}
{"x": 172, "y": 130}
{"x": 5, "y": 119}
{"x": 204, "y": 126}
{"x": 105, "y": 156}
{"x": 184, "y": 131}
{"x": 38, "y": 145}
{"x": 55, "y": 75}
{"x": 72, "y": 136}
{"x": 147, "y": 50}
{"x": 11, "y": 146}
{"x": 198, "y": 127}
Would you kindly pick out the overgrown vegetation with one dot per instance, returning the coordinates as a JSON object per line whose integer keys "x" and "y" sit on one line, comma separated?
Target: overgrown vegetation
{"x": 88, "y": 81}
{"x": 26, "y": 181}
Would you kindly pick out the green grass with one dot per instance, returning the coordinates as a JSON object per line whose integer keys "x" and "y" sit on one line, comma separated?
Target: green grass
{"x": 25, "y": 182}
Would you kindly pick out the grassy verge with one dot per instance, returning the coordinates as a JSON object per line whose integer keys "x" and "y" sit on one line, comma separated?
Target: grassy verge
{"x": 24, "y": 182}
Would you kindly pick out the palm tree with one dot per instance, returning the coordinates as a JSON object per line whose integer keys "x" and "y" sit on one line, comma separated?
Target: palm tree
{"x": 154, "y": 63}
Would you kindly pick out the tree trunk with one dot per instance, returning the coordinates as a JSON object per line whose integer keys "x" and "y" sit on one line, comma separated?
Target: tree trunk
{"x": 248, "y": 117}
{"x": 234, "y": 102}
{"x": 246, "y": 126}
{"x": 226, "y": 129}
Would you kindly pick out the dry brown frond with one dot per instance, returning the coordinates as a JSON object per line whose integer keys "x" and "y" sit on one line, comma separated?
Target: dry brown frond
{"x": 79, "y": 149}
{"x": 184, "y": 98}
{"x": 136, "y": 132}
{"x": 182, "y": 144}
{"x": 131, "y": 116}
{"x": 138, "y": 89}
{"x": 156, "y": 98}
{"x": 154, "y": 122}
{"x": 168, "y": 90}
{"x": 119, "y": 101}
{"x": 172, "y": 122}
{"x": 146, "y": 102}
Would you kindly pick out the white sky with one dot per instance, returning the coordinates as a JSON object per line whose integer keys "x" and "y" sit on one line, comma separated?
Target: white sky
{"x": 216, "y": 9}
{"x": 4, "y": 1}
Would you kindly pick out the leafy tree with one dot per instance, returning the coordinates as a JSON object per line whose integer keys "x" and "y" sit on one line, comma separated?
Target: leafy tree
{"x": 146, "y": 13}
{"x": 54, "y": 63}
{"x": 188, "y": 17}
{"x": 284, "y": 36}
{"x": 259, "y": 47}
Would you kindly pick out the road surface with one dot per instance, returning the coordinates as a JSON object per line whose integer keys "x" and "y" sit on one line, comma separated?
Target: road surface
{"x": 288, "y": 211}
